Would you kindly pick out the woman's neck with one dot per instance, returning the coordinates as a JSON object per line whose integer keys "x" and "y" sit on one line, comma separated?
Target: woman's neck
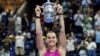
{"x": 52, "y": 48}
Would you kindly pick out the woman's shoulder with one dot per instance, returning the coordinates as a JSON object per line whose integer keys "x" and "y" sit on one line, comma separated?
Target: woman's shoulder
{"x": 42, "y": 52}
{"x": 62, "y": 51}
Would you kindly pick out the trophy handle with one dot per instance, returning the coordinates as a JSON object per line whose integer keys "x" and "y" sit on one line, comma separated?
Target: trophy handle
{"x": 42, "y": 9}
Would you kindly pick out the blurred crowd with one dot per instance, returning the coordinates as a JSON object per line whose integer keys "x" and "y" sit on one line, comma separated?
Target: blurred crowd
{"x": 82, "y": 27}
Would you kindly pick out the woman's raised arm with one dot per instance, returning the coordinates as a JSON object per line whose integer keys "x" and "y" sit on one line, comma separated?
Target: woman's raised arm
{"x": 62, "y": 36}
{"x": 39, "y": 39}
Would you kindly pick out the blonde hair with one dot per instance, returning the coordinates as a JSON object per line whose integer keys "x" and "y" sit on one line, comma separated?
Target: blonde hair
{"x": 50, "y": 32}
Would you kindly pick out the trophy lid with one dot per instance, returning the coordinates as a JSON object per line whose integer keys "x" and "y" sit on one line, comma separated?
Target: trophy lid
{"x": 48, "y": 0}
{"x": 48, "y": 3}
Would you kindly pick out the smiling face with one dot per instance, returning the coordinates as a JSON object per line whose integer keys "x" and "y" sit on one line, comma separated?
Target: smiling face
{"x": 51, "y": 39}
{"x": 78, "y": 12}
{"x": 90, "y": 39}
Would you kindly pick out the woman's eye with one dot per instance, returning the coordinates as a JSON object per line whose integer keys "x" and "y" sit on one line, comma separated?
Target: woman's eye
{"x": 53, "y": 37}
{"x": 48, "y": 37}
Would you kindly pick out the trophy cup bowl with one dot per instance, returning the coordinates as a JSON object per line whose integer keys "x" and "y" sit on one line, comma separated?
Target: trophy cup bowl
{"x": 49, "y": 10}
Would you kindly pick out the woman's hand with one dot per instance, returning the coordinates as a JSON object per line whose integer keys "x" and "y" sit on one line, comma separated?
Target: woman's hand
{"x": 37, "y": 10}
{"x": 59, "y": 8}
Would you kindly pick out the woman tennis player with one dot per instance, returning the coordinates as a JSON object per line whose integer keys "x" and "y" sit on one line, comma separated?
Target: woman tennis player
{"x": 56, "y": 46}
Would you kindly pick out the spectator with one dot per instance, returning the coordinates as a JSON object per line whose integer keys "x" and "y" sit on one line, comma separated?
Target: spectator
{"x": 33, "y": 37}
{"x": 2, "y": 50}
{"x": 27, "y": 33}
{"x": 7, "y": 42}
{"x": 15, "y": 11}
{"x": 19, "y": 44}
{"x": 71, "y": 44}
{"x": 6, "y": 45}
{"x": 75, "y": 5}
{"x": 32, "y": 25}
{"x": 5, "y": 20}
{"x": 85, "y": 34}
{"x": 27, "y": 37}
{"x": 97, "y": 38}
{"x": 3, "y": 34}
{"x": 90, "y": 31}
{"x": 82, "y": 47}
{"x": 18, "y": 23}
{"x": 9, "y": 13}
{"x": 97, "y": 19}
{"x": 12, "y": 45}
{"x": 66, "y": 5}
{"x": 96, "y": 5}
{"x": 85, "y": 6}
{"x": 91, "y": 47}
{"x": 87, "y": 22}
{"x": 78, "y": 18}
{"x": 25, "y": 22}
{"x": 69, "y": 23}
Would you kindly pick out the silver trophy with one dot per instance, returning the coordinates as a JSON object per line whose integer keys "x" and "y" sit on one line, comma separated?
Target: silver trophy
{"x": 49, "y": 10}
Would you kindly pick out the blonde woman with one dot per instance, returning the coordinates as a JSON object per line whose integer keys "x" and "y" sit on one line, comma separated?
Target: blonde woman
{"x": 56, "y": 46}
